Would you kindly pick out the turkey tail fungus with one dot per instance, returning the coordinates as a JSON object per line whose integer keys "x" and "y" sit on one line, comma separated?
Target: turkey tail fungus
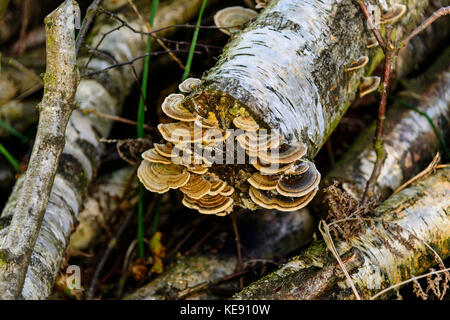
{"x": 271, "y": 116}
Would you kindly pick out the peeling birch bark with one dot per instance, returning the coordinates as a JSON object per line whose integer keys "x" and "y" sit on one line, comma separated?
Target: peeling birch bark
{"x": 303, "y": 92}
{"x": 410, "y": 140}
{"x": 104, "y": 93}
{"x": 421, "y": 210}
{"x": 264, "y": 235}
{"x": 99, "y": 207}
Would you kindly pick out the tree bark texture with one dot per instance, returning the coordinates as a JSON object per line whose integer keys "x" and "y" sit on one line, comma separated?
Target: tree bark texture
{"x": 376, "y": 258}
{"x": 80, "y": 159}
{"x": 305, "y": 91}
{"x": 410, "y": 140}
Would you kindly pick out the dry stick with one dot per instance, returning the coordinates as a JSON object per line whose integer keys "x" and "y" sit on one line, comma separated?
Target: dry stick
{"x": 432, "y": 166}
{"x": 111, "y": 245}
{"x": 61, "y": 80}
{"x": 436, "y": 15}
{"x": 115, "y": 118}
{"x": 160, "y": 42}
{"x": 87, "y": 22}
{"x": 238, "y": 248}
{"x": 379, "y": 142}
{"x": 389, "y": 53}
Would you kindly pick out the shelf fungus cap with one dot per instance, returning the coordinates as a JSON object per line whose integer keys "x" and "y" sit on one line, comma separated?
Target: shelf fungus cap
{"x": 357, "y": 64}
{"x": 298, "y": 185}
{"x": 272, "y": 200}
{"x": 264, "y": 182}
{"x": 368, "y": 85}
{"x": 217, "y": 204}
{"x": 271, "y": 169}
{"x": 173, "y": 108}
{"x": 164, "y": 149}
{"x": 196, "y": 187}
{"x": 255, "y": 141}
{"x": 189, "y": 85}
{"x": 217, "y": 186}
{"x": 394, "y": 13}
{"x": 152, "y": 155}
{"x": 246, "y": 123}
{"x": 372, "y": 42}
{"x": 230, "y": 19}
{"x": 159, "y": 178}
{"x": 227, "y": 191}
{"x": 287, "y": 153}
{"x": 180, "y": 132}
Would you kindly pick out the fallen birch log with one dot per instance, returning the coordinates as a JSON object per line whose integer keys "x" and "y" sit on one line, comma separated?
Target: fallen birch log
{"x": 265, "y": 235}
{"x": 394, "y": 246}
{"x": 100, "y": 205}
{"x": 105, "y": 93}
{"x": 322, "y": 55}
{"x": 410, "y": 140}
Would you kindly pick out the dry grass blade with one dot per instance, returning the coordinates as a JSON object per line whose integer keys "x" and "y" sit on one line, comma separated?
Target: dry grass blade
{"x": 323, "y": 228}
{"x": 431, "y": 167}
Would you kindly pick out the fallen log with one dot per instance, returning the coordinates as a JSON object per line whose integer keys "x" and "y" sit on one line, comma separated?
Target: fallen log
{"x": 410, "y": 140}
{"x": 105, "y": 93}
{"x": 405, "y": 237}
{"x": 101, "y": 204}
{"x": 264, "y": 235}
{"x": 302, "y": 94}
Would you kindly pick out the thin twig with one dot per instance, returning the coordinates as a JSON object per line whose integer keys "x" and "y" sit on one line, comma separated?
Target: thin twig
{"x": 158, "y": 39}
{"x": 114, "y": 118}
{"x": 436, "y": 15}
{"x": 407, "y": 281}
{"x": 432, "y": 166}
{"x": 87, "y": 22}
{"x": 238, "y": 248}
{"x": 111, "y": 245}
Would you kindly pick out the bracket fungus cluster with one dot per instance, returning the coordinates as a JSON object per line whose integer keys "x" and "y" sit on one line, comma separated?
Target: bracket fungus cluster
{"x": 217, "y": 168}
{"x": 245, "y": 133}
{"x": 230, "y": 20}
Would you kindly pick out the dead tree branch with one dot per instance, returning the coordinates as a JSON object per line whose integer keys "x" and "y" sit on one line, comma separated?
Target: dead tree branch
{"x": 56, "y": 107}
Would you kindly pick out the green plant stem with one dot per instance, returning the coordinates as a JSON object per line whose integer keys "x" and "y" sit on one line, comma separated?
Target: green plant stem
{"x": 140, "y": 128}
{"x": 194, "y": 42}
{"x": 10, "y": 158}
{"x": 13, "y": 131}
{"x": 430, "y": 121}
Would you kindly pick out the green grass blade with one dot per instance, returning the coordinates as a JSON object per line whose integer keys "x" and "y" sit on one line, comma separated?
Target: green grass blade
{"x": 13, "y": 131}
{"x": 10, "y": 158}
{"x": 194, "y": 42}
{"x": 140, "y": 129}
{"x": 430, "y": 121}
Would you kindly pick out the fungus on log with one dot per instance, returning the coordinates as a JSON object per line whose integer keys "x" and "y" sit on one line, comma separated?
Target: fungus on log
{"x": 298, "y": 97}
{"x": 410, "y": 140}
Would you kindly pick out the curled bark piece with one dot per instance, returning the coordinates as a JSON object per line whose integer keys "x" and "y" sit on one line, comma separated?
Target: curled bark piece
{"x": 104, "y": 93}
{"x": 55, "y": 110}
{"x": 390, "y": 250}
{"x": 99, "y": 207}
{"x": 264, "y": 236}
{"x": 304, "y": 94}
{"x": 410, "y": 140}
